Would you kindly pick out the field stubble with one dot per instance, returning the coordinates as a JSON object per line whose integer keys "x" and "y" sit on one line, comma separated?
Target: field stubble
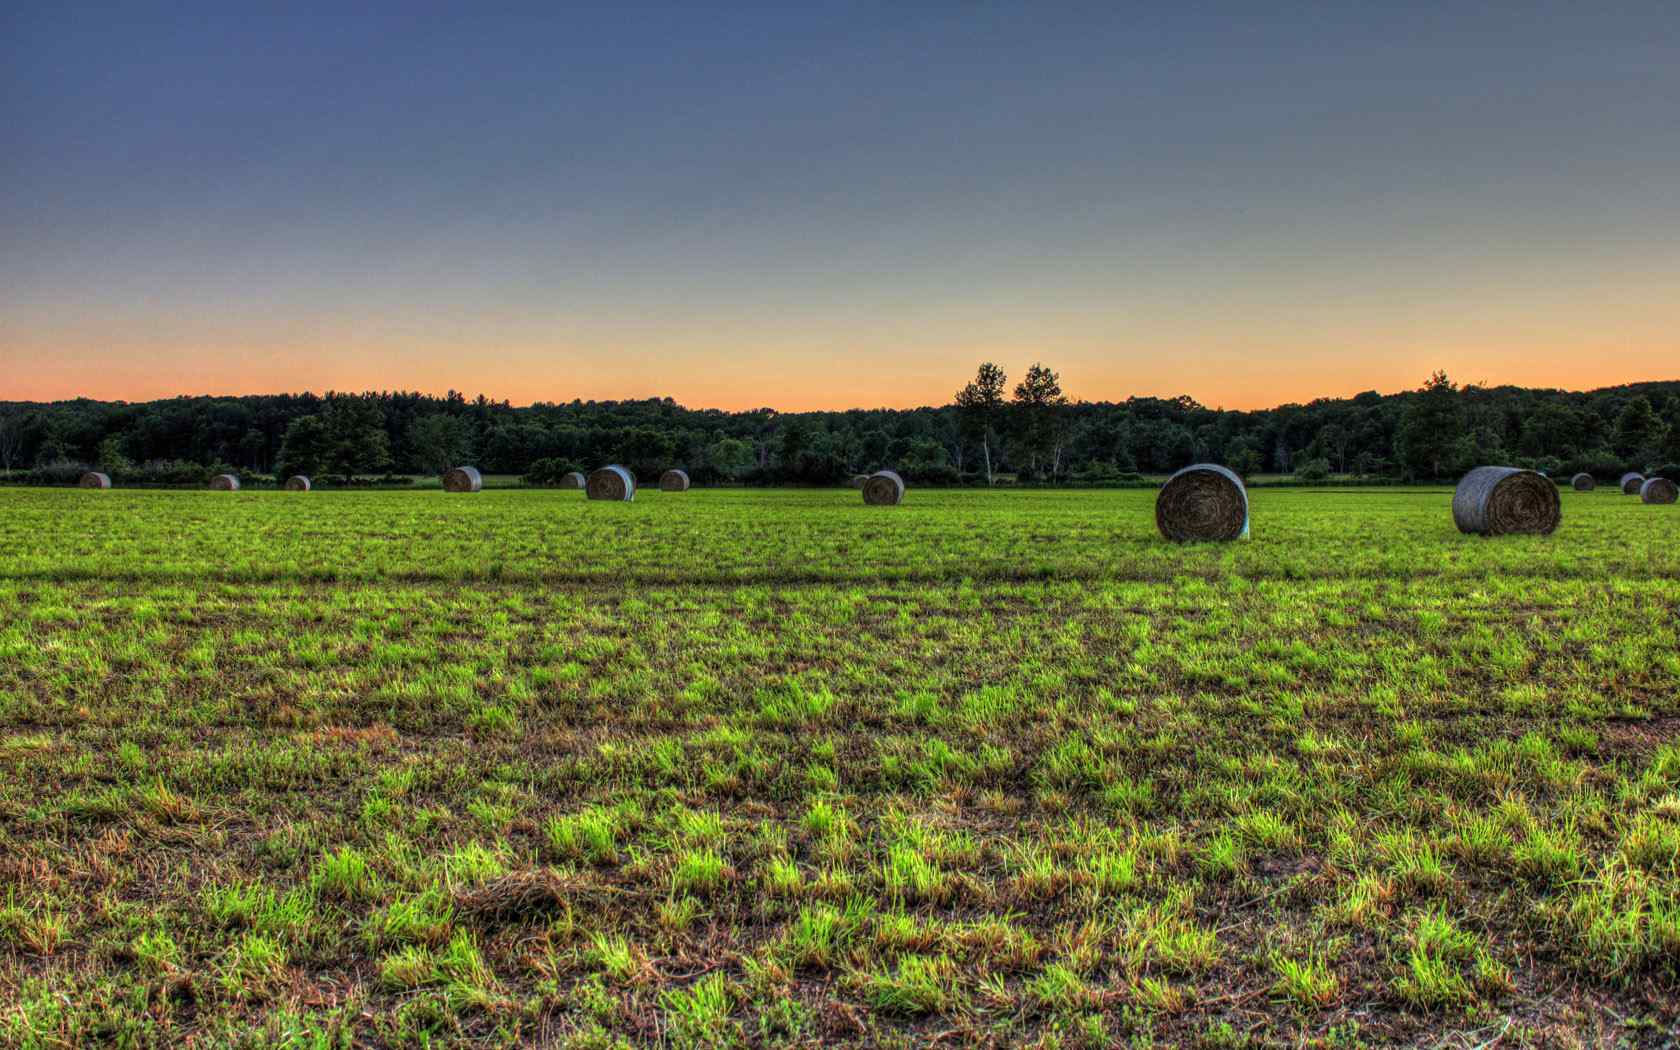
{"x": 781, "y": 769}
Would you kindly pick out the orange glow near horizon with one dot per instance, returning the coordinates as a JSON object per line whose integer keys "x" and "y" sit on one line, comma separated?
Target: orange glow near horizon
{"x": 806, "y": 377}
{"x": 1253, "y": 349}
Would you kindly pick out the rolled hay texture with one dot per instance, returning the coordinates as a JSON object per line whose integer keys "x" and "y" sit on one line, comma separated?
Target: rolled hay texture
{"x": 225, "y": 483}
{"x": 884, "y": 488}
{"x": 1658, "y": 490}
{"x": 1631, "y": 482}
{"x": 463, "y": 479}
{"x": 574, "y": 480}
{"x": 1497, "y": 501}
{"x": 93, "y": 479}
{"x": 611, "y": 482}
{"x": 1204, "y": 501}
{"x": 673, "y": 481}
{"x": 1583, "y": 483}
{"x": 859, "y": 480}
{"x": 297, "y": 483}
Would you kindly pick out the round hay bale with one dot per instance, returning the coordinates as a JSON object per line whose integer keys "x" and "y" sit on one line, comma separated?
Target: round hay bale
{"x": 1658, "y": 490}
{"x": 1496, "y": 501}
{"x": 612, "y": 482}
{"x": 1631, "y": 482}
{"x": 673, "y": 481}
{"x": 225, "y": 483}
{"x": 884, "y": 488}
{"x": 1204, "y": 501}
{"x": 93, "y": 479}
{"x": 574, "y": 480}
{"x": 1583, "y": 483}
{"x": 859, "y": 480}
{"x": 463, "y": 479}
{"x": 297, "y": 483}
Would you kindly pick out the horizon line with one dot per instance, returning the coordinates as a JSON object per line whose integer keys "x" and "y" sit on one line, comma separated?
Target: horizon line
{"x": 1473, "y": 385}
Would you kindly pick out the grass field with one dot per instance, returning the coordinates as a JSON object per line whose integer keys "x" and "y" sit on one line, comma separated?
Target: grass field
{"x": 775, "y": 768}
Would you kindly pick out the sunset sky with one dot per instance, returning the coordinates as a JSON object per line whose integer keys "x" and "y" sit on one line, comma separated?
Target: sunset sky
{"x": 812, "y": 205}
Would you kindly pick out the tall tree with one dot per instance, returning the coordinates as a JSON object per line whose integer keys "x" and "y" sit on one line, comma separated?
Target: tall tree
{"x": 11, "y": 437}
{"x": 1639, "y": 433}
{"x": 980, "y": 407}
{"x": 1332, "y": 443}
{"x": 1671, "y": 437}
{"x": 304, "y": 448}
{"x": 1430, "y": 428}
{"x": 730, "y": 457}
{"x": 440, "y": 442}
{"x": 1037, "y": 407}
{"x": 356, "y": 438}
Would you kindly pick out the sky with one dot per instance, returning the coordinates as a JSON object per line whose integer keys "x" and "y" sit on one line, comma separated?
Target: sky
{"x": 824, "y": 205}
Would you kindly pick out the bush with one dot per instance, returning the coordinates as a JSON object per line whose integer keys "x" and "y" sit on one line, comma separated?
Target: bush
{"x": 162, "y": 472}
{"x": 1600, "y": 463}
{"x": 1551, "y": 466}
{"x": 58, "y": 472}
{"x": 943, "y": 474}
{"x": 549, "y": 471}
{"x": 1313, "y": 471}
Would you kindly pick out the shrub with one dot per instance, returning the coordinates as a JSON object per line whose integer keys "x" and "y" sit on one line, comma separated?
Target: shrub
{"x": 550, "y": 471}
{"x": 1313, "y": 471}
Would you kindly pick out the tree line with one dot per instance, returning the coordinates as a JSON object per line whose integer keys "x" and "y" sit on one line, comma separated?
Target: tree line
{"x": 1026, "y": 432}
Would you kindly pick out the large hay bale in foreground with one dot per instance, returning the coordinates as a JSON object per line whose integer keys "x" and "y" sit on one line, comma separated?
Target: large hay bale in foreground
{"x": 1583, "y": 483}
{"x": 297, "y": 483}
{"x": 1204, "y": 501}
{"x": 884, "y": 488}
{"x": 1658, "y": 490}
{"x": 463, "y": 479}
{"x": 673, "y": 481}
{"x": 612, "y": 482}
{"x": 1497, "y": 501}
{"x": 1631, "y": 482}
{"x": 859, "y": 480}
{"x": 225, "y": 483}
{"x": 93, "y": 479}
{"x": 574, "y": 480}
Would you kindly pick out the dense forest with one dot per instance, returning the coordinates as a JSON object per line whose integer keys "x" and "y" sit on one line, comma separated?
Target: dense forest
{"x": 1031, "y": 431}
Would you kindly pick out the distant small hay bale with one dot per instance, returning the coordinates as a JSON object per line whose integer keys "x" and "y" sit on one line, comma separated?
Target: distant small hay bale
{"x": 1498, "y": 501}
{"x": 574, "y": 480}
{"x": 93, "y": 479}
{"x": 673, "y": 481}
{"x": 859, "y": 480}
{"x": 1658, "y": 490}
{"x": 1583, "y": 483}
{"x": 1631, "y": 482}
{"x": 225, "y": 483}
{"x": 884, "y": 488}
{"x": 612, "y": 482}
{"x": 297, "y": 483}
{"x": 463, "y": 479}
{"x": 1204, "y": 501}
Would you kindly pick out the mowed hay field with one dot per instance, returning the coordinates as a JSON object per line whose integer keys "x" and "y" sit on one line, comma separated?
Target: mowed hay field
{"x": 780, "y": 769}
